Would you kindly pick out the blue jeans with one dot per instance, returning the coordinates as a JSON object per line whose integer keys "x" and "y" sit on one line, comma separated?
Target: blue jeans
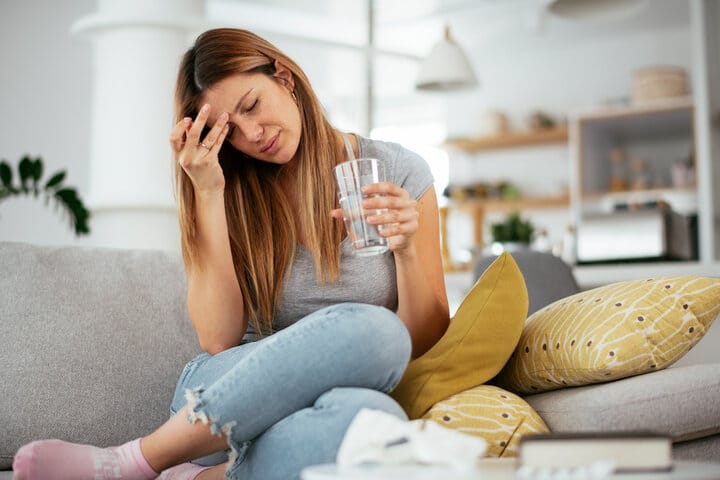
{"x": 286, "y": 401}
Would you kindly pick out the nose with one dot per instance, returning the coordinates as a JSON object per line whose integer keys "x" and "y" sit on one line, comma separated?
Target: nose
{"x": 250, "y": 129}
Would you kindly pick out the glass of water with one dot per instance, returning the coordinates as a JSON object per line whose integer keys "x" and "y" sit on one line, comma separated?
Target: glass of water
{"x": 351, "y": 176}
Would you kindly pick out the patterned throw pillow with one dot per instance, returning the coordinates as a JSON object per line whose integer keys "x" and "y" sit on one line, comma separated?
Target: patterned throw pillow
{"x": 611, "y": 332}
{"x": 492, "y": 413}
{"x": 476, "y": 345}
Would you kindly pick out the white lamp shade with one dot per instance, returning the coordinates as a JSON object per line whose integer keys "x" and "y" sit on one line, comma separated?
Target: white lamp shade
{"x": 446, "y": 68}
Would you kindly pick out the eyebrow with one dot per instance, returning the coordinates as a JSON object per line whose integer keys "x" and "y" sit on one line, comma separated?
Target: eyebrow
{"x": 237, "y": 106}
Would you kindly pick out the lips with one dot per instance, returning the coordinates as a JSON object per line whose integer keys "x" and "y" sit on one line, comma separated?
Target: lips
{"x": 270, "y": 146}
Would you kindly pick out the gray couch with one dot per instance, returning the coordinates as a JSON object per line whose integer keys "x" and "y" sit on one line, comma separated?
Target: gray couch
{"x": 683, "y": 401}
{"x": 94, "y": 340}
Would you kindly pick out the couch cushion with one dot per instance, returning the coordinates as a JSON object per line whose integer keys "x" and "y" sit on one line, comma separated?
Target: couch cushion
{"x": 611, "y": 332}
{"x": 682, "y": 401}
{"x": 476, "y": 345}
{"x": 547, "y": 277}
{"x": 93, "y": 343}
{"x": 496, "y": 415}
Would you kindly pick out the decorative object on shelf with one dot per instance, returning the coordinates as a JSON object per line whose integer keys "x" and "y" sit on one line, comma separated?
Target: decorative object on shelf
{"x": 481, "y": 190}
{"x": 569, "y": 247}
{"x": 30, "y": 172}
{"x": 682, "y": 173}
{"x": 446, "y": 67}
{"x": 653, "y": 83}
{"x": 638, "y": 174}
{"x": 512, "y": 234}
{"x": 494, "y": 122}
{"x": 539, "y": 120}
{"x": 618, "y": 173}
{"x": 595, "y": 10}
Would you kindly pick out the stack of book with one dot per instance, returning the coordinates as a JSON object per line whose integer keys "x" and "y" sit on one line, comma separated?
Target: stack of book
{"x": 625, "y": 451}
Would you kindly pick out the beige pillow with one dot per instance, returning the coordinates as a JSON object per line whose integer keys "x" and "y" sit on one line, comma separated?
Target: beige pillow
{"x": 611, "y": 332}
{"x": 492, "y": 413}
{"x": 476, "y": 345}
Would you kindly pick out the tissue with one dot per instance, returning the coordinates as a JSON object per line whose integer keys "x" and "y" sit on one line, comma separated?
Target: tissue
{"x": 376, "y": 437}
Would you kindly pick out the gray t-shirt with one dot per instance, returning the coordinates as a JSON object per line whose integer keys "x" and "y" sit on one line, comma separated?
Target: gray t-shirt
{"x": 369, "y": 280}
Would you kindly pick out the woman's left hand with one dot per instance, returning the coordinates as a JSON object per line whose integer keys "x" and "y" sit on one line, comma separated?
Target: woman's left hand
{"x": 393, "y": 210}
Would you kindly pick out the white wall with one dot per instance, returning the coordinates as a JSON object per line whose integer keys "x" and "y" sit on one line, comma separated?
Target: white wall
{"x": 560, "y": 76}
{"x": 45, "y": 82}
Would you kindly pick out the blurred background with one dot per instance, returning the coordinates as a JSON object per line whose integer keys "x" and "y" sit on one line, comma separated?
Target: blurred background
{"x": 591, "y": 125}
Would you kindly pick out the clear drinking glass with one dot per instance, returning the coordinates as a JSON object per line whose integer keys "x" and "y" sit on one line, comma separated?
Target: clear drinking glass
{"x": 351, "y": 176}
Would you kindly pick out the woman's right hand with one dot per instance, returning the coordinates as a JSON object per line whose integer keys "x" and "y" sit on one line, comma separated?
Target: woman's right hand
{"x": 199, "y": 157}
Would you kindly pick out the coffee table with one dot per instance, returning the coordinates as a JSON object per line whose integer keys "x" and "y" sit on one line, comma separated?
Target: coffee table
{"x": 493, "y": 469}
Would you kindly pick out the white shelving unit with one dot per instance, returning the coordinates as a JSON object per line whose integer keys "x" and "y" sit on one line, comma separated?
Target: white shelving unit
{"x": 667, "y": 131}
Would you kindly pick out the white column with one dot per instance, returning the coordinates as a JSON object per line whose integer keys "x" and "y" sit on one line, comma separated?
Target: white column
{"x": 137, "y": 45}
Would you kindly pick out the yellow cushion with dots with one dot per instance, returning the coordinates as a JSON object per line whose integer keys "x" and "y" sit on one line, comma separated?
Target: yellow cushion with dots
{"x": 492, "y": 413}
{"x": 611, "y": 332}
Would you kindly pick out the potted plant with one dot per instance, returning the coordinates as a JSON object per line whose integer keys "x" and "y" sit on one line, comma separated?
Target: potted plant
{"x": 30, "y": 173}
{"x": 513, "y": 233}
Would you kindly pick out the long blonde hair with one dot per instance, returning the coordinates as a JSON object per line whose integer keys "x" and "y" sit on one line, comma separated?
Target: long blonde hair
{"x": 260, "y": 217}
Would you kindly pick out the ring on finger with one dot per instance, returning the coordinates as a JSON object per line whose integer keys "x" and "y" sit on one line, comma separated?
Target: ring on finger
{"x": 203, "y": 144}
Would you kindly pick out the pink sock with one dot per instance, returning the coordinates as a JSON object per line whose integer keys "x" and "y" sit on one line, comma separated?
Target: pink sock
{"x": 184, "y": 471}
{"x": 58, "y": 460}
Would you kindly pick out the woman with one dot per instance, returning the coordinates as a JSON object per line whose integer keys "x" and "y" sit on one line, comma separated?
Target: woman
{"x": 298, "y": 334}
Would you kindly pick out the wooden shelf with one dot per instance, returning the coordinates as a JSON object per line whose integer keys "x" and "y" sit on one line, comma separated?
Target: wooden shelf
{"x": 527, "y": 203}
{"x": 510, "y": 140}
{"x": 635, "y": 195}
{"x": 639, "y": 110}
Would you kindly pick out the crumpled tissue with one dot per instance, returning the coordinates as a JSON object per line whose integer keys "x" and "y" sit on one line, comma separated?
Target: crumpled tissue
{"x": 376, "y": 437}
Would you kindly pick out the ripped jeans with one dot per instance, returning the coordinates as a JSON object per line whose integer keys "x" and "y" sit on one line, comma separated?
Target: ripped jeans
{"x": 286, "y": 401}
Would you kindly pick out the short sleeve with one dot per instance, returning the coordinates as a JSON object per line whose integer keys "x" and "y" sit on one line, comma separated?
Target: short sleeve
{"x": 404, "y": 168}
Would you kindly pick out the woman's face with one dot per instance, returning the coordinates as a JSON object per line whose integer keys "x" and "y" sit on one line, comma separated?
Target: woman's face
{"x": 263, "y": 117}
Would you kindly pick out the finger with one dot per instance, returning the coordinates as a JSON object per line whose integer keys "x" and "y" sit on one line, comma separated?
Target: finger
{"x": 393, "y": 216}
{"x": 336, "y": 213}
{"x": 395, "y": 229}
{"x": 214, "y": 134}
{"x": 219, "y": 140}
{"x": 193, "y": 135}
{"x": 387, "y": 188}
{"x": 177, "y": 134}
{"x": 391, "y": 202}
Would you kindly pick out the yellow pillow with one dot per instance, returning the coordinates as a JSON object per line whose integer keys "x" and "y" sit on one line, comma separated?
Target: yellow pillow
{"x": 492, "y": 413}
{"x": 476, "y": 345}
{"x": 612, "y": 332}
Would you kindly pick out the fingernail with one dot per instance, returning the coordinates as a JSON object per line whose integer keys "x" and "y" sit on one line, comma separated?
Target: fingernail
{"x": 223, "y": 117}
{"x": 187, "y": 121}
{"x": 365, "y": 188}
{"x": 205, "y": 108}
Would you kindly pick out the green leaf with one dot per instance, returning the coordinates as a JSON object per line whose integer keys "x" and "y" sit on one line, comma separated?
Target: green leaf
{"x": 37, "y": 170}
{"x": 55, "y": 179}
{"x": 78, "y": 213}
{"x": 26, "y": 170}
{"x": 6, "y": 175}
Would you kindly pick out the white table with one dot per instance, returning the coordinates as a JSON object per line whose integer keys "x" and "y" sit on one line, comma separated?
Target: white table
{"x": 493, "y": 469}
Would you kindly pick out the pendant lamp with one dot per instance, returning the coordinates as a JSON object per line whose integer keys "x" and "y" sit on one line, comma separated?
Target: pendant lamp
{"x": 596, "y": 9}
{"x": 446, "y": 68}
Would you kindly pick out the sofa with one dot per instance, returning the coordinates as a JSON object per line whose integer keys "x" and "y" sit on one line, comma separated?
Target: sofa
{"x": 95, "y": 339}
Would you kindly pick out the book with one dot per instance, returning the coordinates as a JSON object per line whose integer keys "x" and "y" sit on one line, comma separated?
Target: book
{"x": 628, "y": 451}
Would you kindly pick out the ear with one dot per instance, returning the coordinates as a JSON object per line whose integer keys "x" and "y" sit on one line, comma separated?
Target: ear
{"x": 284, "y": 76}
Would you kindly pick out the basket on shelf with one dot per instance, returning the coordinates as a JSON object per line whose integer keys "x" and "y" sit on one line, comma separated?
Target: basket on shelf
{"x": 659, "y": 82}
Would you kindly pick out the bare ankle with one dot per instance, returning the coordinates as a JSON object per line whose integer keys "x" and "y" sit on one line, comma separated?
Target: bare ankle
{"x": 215, "y": 473}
